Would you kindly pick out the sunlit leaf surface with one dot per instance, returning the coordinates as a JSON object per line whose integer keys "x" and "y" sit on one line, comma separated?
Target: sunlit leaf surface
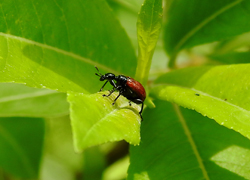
{"x": 58, "y": 48}
{"x": 219, "y": 92}
{"x": 20, "y": 100}
{"x": 96, "y": 121}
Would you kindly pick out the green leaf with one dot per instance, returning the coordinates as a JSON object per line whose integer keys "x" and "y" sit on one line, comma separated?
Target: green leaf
{"x": 94, "y": 163}
{"x": 20, "y": 100}
{"x": 219, "y": 92}
{"x": 182, "y": 144}
{"x": 21, "y": 143}
{"x": 203, "y": 22}
{"x": 96, "y": 121}
{"x": 232, "y": 57}
{"x": 229, "y": 45}
{"x": 148, "y": 30}
{"x": 117, "y": 170}
{"x": 59, "y": 48}
{"x": 60, "y": 161}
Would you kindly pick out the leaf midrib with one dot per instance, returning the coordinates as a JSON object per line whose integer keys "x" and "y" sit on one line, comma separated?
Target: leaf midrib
{"x": 191, "y": 140}
{"x": 18, "y": 149}
{"x": 219, "y": 99}
{"x": 60, "y": 51}
{"x": 27, "y": 96}
{"x": 203, "y": 23}
{"x": 92, "y": 128}
{"x": 206, "y": 94}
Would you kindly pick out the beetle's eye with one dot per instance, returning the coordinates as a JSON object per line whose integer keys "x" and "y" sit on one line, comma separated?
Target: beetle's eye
{"x": 102, "y": 78}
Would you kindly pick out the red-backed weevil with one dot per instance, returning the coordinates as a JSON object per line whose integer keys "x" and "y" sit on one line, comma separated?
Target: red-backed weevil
{"x": 127, "y": 87}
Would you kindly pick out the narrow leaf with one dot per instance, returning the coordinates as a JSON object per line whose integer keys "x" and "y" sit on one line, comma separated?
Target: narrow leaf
{"x": 148, "y": 29}
{"x": 96, "y": 121}
{"x": 219, "y": 92}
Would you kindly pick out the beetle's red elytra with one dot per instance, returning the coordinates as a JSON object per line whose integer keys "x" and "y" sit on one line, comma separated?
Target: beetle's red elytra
{"x": 137, "y": 88}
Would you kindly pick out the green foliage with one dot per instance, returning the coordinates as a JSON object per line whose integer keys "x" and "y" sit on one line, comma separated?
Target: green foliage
{"x": 219, "y": 92}
{"x": 195, "y": 22}
{"x": 20, "y": 100}
{"x": 148, "y": 29}
{"x": 183, "y": 144}
{"x": 104, "y": 122}
{"x": 59, "y": 49}
{"x": 21, "y": 143}
{"x": 48, "y": 54}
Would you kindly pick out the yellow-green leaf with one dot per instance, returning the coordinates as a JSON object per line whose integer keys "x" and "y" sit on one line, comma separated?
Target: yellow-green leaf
{"x": 219, "y": 92}
{"x": 96, "y": 121}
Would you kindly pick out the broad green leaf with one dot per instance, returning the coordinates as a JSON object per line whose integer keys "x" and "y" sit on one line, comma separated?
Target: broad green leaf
{"x": 56, "y": 44}
{"x": 219, "y": 92}
{"x": 178, "y": 143}
{"x": 96, "y": 121}
{"x": 148, "y": 30}
{"x": 195, "y": 22}
{"x": 20, "y": 100}
{"x": 21, "y": 143}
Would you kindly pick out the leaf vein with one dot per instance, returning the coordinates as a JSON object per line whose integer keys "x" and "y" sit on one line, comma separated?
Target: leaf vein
{"x": 203, "y": 23}
{"x": 27, "y": 96}
{"x": 69, "y": 54}
{"x": 16, "y": 147}
{"x": 38, "y": 20}
{"x": 191, "y": 141}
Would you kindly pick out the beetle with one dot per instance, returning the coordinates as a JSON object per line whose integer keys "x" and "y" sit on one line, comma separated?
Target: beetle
{"x": 127, "y": 87}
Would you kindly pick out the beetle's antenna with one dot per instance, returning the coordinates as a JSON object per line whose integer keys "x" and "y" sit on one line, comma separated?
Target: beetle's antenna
{"x": 98, "y": 72}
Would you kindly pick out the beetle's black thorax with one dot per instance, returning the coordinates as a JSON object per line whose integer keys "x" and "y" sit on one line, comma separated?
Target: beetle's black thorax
{"x": 121, "y": 80}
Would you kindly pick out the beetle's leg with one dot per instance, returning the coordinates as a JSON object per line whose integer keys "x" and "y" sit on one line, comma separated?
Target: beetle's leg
{"x": 120, "y": 93}
{"x": 129, "y": 103}
{"x": 110, "y": 92}
{"x": 103, "y": 86}
{"x": 112, "y": 89}
{"x": 141, "y": 111}
{"x": 139, "y": 101}
{"x": 116, "y": 99}
{"x": 112, "y": 82}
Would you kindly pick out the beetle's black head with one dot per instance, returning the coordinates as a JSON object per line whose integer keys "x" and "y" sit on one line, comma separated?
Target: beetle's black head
{"x": 107, "y": 76}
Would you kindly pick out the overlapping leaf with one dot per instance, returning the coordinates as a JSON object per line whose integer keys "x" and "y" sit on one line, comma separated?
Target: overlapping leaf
{"x": 58, "y": 48}
{"x": 148, "y": 29}
{"x": 178, "y": 143}
{"x": 190, "y": 23}
{"x": 20, "y": 100}
{"x": 219, "y": 92}
{"x": 95, "y": 121}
